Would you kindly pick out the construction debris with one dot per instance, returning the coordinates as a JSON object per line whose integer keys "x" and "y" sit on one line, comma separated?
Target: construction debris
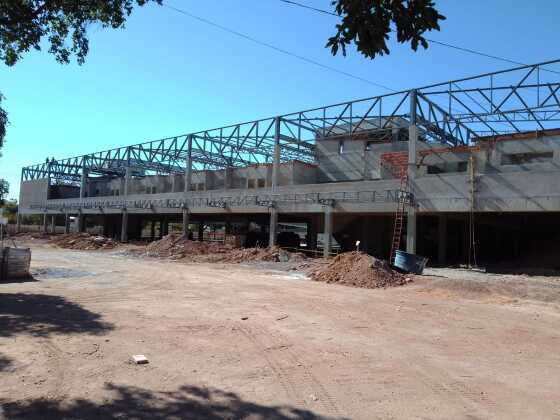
{"x": 83, "y": 241}
{"x": 360, "y": 270}
{"x": 175, "y": 246}
{"x": 140, "y": 359}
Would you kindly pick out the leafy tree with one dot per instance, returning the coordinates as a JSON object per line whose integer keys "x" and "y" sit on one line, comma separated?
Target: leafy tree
{"x": 4, "y": 189}
{"x": 3, "y": 123}
{"x": 10, "y": 211}
{"x": 24, "y": 24}
{"x": 368, "y": 23}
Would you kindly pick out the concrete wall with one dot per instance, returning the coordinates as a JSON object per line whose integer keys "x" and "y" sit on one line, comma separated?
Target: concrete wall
{"x": 303, "y": 173}
{"x": 359, "y": 159}
{"x": 501, "y": 185}
{"x": 33, "y": 192}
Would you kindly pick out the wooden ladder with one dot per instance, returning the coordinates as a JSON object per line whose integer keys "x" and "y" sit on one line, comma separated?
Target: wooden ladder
{"x": 399, "y": 214}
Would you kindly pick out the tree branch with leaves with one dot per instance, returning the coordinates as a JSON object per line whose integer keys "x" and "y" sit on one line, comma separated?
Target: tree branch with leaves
{"x": 368, "y": 23}
{"x": 61, "y": 24}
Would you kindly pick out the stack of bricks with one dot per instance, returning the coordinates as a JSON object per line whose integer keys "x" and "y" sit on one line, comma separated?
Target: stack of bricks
{"x": 396, "y": 162}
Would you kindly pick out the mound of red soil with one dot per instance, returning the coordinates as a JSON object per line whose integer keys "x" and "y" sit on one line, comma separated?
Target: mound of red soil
{"x": 360, "y": 270}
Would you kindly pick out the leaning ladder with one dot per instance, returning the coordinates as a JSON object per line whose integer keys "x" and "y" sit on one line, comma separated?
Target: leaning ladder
{"x": 399, "y": 215}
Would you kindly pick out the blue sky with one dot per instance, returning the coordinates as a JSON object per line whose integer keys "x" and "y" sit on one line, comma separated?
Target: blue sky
{"x": 168, "y": 74}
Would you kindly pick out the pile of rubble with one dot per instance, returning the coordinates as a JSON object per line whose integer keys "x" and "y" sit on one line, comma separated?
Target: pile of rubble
{"x": 359, "y": 270}
{"x": 271, "y": 254}
{"x": 175, "y": 246}
{"x": 83, "y": 241}
{"x": 24, "y": 236}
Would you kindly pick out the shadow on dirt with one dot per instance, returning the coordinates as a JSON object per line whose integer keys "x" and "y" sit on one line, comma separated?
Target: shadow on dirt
{"x": 44, "y": 273}
{"x": 41, "y": 315}
{"x": 4, "y": 362}
{"x": 187, "y": 402}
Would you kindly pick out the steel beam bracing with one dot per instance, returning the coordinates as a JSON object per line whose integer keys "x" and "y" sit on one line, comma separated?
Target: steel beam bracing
{"x": 456, "y": 112}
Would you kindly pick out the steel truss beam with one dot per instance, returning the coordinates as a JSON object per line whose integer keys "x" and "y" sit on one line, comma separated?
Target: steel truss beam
{"x": 456, "y": 112}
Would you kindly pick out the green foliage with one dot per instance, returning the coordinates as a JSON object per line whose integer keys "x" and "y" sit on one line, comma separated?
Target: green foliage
{"x": 367, "y": 24}
{"x": 25, "y": 23}
{"x": 10, "y": 209}
{"x": 4, "y": 190}
{"x": 3, "y": 123}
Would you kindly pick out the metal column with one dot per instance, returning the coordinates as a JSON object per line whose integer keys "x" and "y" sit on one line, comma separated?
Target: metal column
{"x": 273, "y": 229}
{"x": 412, "y": 140}
{"x": 18, "y": 225}
{"x": 188, "y": 170}
{"x": 53, "y": 224}
{"x": 44, "y": 222}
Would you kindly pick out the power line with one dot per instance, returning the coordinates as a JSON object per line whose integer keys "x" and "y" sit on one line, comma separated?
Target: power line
{"x": 305, "y": 6}
{"x": 275, "y": 48}
{"x": 444, "y": 44}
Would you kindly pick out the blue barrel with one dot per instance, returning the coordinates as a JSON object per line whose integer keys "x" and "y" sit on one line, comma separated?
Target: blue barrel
{"x": 411, "y": 263}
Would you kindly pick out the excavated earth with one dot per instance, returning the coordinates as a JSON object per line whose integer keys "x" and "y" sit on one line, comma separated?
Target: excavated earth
{"x": 360, "y": 270}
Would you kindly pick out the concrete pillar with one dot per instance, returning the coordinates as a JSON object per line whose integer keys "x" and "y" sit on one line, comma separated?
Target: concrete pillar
{"x": 124, "y": 226}
{"x": 328, "y": 230}
{"x": 173, "y": 182}
{"x": 53, "y": 224}
{"x": 186, "y": 220}
{"x": 276, "y": 163}
{"x": 127, "y": 181}
{"x": 153, "y": 230}
{"x": 273, "y": 229}
{"x": 412, "y": 140}
{"x": 18, "y": 223}
{"x": 83, "y": 193}
{"x": 83, "y": 183}
{"x": 66, "y": 223}
{"x": 44, "y": 222}
{"x": 227, "y": 178}
{"x": 201, "y": 231}
{"x": 442, "y": 239}
{"x": 81, "y": 222}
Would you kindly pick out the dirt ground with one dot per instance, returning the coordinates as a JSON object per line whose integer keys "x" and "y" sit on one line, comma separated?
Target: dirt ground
{"x": 234, "y": 341}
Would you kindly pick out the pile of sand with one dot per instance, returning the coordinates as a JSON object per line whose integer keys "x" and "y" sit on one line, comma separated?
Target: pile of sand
{"x": 360, "y": 270}
{"x": 83, "y": 241}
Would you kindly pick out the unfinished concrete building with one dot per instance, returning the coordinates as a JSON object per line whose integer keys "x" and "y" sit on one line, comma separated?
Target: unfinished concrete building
{"x": 475, "y": 162}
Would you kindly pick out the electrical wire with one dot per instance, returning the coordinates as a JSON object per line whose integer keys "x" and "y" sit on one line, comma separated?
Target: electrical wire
{"x": 444, "y": 44}
{"x": 275, "y": 48}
